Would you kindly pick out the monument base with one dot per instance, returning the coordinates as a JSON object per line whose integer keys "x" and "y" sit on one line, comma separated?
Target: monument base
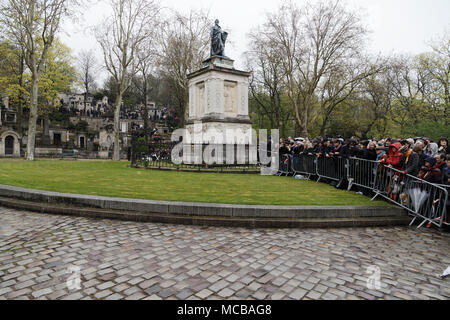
{"x": 219, "y": 143}
{"x": 212, "y": 155}
{"x": 219, "y": 133}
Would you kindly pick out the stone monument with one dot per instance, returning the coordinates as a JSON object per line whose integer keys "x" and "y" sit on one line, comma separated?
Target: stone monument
{"x": 218, "y": 99}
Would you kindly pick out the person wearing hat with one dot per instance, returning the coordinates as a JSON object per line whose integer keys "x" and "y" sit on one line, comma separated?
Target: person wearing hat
{"x": 429, "y": 172}
{"x": 350, "y": 149}
{"x": 317, "y": 146}
{"x": 410, "y": 160}
{"x": 327, "y": 148}
{"x": 338, "y": 144}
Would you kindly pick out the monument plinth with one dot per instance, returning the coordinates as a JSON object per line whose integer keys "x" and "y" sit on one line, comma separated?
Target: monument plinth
{"x": 218, "y": 101}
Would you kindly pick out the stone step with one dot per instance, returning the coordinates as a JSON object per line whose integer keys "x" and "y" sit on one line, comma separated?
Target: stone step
{"x": 218, "y": 221}
{"x": 201, "y": 209}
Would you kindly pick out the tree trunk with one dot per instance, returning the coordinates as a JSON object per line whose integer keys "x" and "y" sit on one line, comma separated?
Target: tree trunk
{"x": 19, "y": 118}
{"x": 116, "y": 154}
{"x": 304, "y": 125}
{"x": 324, "y": 126}
{"x": 46, "y": 132}
{"x": 21, "y": 99}
{"x": 145, "y": 111}
{"x": 182, "y": 112}
{"x": 298, "y": 119}
{"x": 305, "y": 119}
{"x": 85, "y": 101}
{"x": 31, "y": 140}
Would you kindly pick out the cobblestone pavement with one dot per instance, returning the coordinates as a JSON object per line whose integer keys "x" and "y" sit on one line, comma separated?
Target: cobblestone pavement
{"x": 128, "y": 260}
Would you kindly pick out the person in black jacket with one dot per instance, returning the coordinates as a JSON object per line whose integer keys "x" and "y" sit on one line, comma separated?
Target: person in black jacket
{"x": 429, "y": 172}
{"x": 410, "y": 161}
{"x": 350, "y": 150}
{"x": 317, "y": 146}
{"x": 369, "y": 151}
{"x": 308, "y": 149}
{"x": 338, "y": 147}
{"x": 443, "y": 146}
{"x": 284, "y": 149}
{"x": 296, "y": 150}
{"x": 418, "y": 148}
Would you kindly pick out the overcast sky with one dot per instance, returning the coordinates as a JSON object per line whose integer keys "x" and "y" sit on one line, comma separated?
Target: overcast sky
{"x": 400, "y": 26}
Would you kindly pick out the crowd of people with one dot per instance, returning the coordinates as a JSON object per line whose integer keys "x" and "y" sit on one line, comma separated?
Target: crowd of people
{"x": 75, "y": 112}
{"x": 420, "y": 157}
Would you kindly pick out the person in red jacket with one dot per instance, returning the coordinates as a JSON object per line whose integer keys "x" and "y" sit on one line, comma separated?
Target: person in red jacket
{"x": 394, "y": 156}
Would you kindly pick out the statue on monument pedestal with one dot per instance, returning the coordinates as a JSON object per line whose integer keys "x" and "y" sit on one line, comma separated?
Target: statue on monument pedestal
{"x": 218, "y": 39}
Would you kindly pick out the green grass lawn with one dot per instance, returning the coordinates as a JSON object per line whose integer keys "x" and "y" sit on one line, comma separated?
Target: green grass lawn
{"x": 116, "y": 179}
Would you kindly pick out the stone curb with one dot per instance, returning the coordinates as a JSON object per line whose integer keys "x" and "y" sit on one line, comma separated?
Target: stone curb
{"x": 206, "y": 220}
{"x": 199, "y": 209}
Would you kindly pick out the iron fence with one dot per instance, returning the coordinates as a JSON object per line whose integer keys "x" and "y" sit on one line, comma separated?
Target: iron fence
{"x": 159, "y": 156}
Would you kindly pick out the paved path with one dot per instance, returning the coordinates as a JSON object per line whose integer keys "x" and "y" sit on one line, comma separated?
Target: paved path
{"x": 39, "y": 256}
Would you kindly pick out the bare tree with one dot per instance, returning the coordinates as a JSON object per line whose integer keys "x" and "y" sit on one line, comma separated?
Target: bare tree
{"x": 343, "y": 82}
{"x": 87, "y": 66}
{"x": 146, "y": 67}
{"x": 121, "y": 38}
{"x": 34, "y": 24}
{"x": 378, "y": 92}
{"x": 312, "y": 41}
{"x": 408, "y": 86}
{"x": 183, "y": 45}
{"x": 266, "y": 82}
{"x": 434, "y": 69}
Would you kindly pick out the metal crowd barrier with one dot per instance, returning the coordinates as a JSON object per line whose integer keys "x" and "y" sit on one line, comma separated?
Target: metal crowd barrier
{"x": 447, "y": 203}
{"x": 332, "y": 168}
{"x": 422, "y": 200}
{"x": 285, "y": 165}
{"x": 304, "y": 164}
{"x": 361, "y": 172}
